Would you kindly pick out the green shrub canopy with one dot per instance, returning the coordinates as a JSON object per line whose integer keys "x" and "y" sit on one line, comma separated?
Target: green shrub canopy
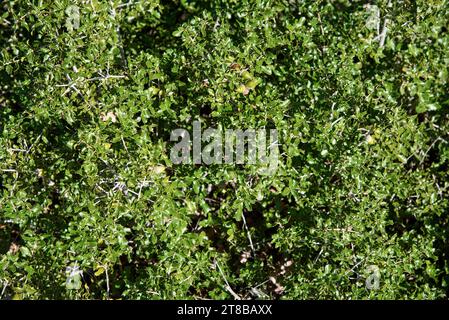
{"x": 91, "y": 206}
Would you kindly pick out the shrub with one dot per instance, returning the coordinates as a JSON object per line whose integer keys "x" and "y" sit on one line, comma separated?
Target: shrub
{"x": 86, "y": 179}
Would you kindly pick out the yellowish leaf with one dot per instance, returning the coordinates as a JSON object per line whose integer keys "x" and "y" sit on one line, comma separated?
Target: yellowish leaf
{"x": 252, "y": 84}
{"x": 158, "y": 169}
{"x": 243, "y": 89}
{"x": 247, "y": 75}
{"x": 99, "y": 271}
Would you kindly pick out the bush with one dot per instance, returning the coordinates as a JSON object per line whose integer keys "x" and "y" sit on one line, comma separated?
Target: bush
{"x": 86, "y": 180}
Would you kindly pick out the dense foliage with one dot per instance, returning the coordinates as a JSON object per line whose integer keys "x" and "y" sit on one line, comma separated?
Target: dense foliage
{"x": 85, "y": 173}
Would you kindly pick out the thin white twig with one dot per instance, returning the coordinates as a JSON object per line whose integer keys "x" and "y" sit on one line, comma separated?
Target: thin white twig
{"x": 107, "y": 281}
{"x": 248, "y": 234}
{"x": 127, "y": 4}
{"x": 352, "y": 269}
{"x": 124, "y": 144}
{"x": 35, "y": 141}
{"x": 227, "y": 286}
{"x": 217, "y": 24}
{"x": 383, "y": 35}
{"x": 105, "y": 77}
{"x": 336, "y": 121}
{"x": 431, "y": 146}
{"x": 4, "y": 288}
{"x": 318, "y": 256}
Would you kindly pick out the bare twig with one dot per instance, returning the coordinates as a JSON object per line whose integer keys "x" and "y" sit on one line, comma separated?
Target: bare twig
{"x": 35, "y": 141}
{"x": 4, "y": 289}
{"x": 127, "y": 4}
{"x": 105, "y": 77}
{"x": 321, "y": 24}
{"x": 124, "y": 144}
{"x": 431, "y": 146}
{"x": 383, "y": 35}
{"x": 227, "y": 286}
{"x": 107, "y": 280}
{"x": 353, "y": 268}
{"x": 318, "y": 256}
{"x": 248, "y": 234}
{"x": 216, "y": 25}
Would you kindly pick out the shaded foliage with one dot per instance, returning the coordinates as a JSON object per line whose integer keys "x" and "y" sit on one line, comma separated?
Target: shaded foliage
{"x": 86, "y": 179}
